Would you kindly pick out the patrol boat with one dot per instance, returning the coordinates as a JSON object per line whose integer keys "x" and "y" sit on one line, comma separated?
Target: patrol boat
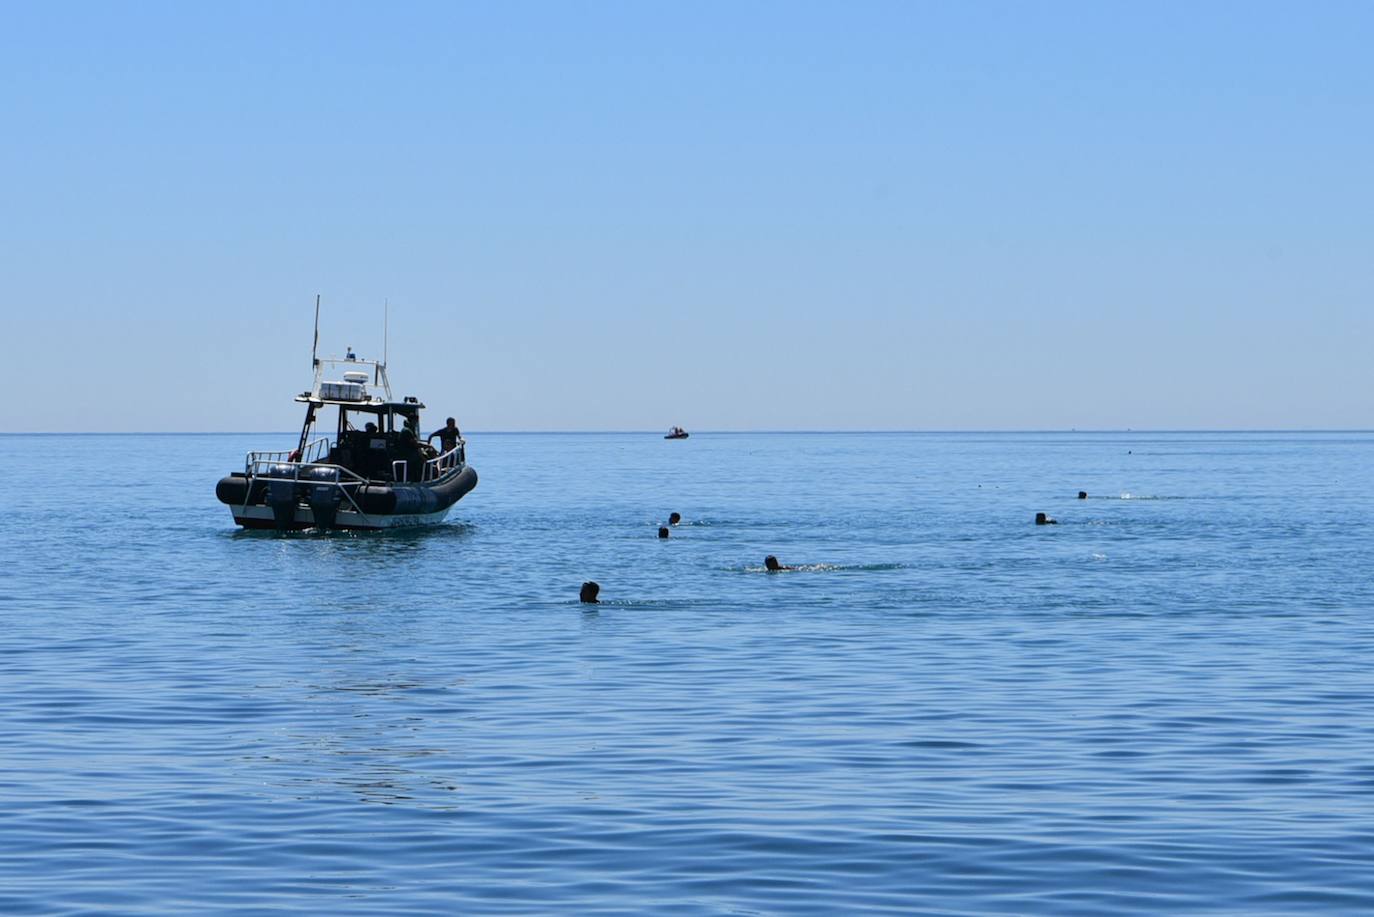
{"x": 374, "y": 472}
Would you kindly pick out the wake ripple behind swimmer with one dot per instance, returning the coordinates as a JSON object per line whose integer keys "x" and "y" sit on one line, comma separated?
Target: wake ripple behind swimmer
{"x": 650, "y": 604}
{"x": 717, "y": 523}
{"x": 822, "y": 568}
{"x": 1127, "y": 495}
{"x": 736, "y": 523}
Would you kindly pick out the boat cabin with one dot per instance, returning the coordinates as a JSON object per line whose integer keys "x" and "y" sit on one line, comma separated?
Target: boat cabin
{"x": 375, "y": 436}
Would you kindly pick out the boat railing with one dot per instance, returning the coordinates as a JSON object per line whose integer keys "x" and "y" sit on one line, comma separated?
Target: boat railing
{"x": 441, "y": 465}
{"x": 311, "y": 455}
{"x": 309, "y": 469}
{"x": 311, "y": 473}
{"x": 307, "y": 472}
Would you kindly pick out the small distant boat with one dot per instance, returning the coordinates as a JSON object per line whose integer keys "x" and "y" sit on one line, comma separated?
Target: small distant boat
{"x": 676, "y": 433}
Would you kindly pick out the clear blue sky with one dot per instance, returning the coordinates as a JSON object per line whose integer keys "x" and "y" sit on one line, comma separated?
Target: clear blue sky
{"x": 724, "y": 215}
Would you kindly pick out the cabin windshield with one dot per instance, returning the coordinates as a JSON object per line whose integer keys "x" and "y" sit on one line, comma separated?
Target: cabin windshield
{"x": 378, "y": 441}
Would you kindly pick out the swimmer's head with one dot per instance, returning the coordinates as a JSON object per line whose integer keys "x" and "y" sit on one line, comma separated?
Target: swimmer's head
{"x": 771, "y": 563}
{"x": 662, "y": 531}
{"x": 674, "y": 518}
{"x": 589, "y": 593}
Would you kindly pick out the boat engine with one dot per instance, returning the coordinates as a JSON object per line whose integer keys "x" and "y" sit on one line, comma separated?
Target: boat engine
{"x": 324, "y": 498}
{"x": 281, "y": 495}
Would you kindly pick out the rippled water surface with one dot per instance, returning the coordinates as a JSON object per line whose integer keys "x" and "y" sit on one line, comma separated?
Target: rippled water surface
{"x": 1163, "y": 703}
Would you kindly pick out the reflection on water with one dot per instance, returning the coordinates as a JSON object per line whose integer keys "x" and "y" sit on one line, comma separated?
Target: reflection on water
{"x": 359, "y": 739}
{"x": 448, "y": 531}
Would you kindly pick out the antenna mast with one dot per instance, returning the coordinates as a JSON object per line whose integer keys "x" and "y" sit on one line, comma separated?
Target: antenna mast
{"x": 386, "y": 316}
{"x": 314, "y": 348}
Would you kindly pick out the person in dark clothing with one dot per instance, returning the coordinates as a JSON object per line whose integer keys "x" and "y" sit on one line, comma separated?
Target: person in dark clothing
{"x": 448, "y": 436}
{"x": 408, "y": 448}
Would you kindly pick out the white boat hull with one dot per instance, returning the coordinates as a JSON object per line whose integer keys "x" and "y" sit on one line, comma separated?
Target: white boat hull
{"x": 261, "y": 517}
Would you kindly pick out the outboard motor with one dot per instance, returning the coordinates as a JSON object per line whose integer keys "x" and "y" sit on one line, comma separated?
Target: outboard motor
{"x": 324, "y": 498}
{"x": 281, "y": 495}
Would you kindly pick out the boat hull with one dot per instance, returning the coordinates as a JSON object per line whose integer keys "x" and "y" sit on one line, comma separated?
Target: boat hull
{"x": 262, "y": 517}
{"x": 371, "y": 506}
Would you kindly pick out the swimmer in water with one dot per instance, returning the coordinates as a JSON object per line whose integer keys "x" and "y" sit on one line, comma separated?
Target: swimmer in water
{"x": 588, "y": 594}
{"x": 1042, "y": 519}
{"x": 674, "y": 518}
{"x": 662, "y": 531}
{"x": 770, "y": 563}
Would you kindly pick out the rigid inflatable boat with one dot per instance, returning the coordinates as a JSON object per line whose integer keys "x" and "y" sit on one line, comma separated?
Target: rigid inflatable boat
{"x": 376, "y": 472}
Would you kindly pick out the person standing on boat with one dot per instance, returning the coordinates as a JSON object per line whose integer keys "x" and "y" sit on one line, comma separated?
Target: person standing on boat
{"x": 448, "y": 436}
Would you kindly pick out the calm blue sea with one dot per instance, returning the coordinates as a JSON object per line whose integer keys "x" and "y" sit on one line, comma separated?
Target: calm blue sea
{"x": 1163, "y": 703}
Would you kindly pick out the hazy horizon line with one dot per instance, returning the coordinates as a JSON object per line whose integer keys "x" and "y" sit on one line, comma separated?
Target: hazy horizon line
{"x": 768, "y": 432}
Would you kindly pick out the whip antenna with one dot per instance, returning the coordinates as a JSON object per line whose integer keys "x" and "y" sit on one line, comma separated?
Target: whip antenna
{"x": 314, "y": 348}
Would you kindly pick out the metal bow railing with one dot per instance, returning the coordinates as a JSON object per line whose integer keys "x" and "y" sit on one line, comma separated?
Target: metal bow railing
{"x": 443, "y": 465}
